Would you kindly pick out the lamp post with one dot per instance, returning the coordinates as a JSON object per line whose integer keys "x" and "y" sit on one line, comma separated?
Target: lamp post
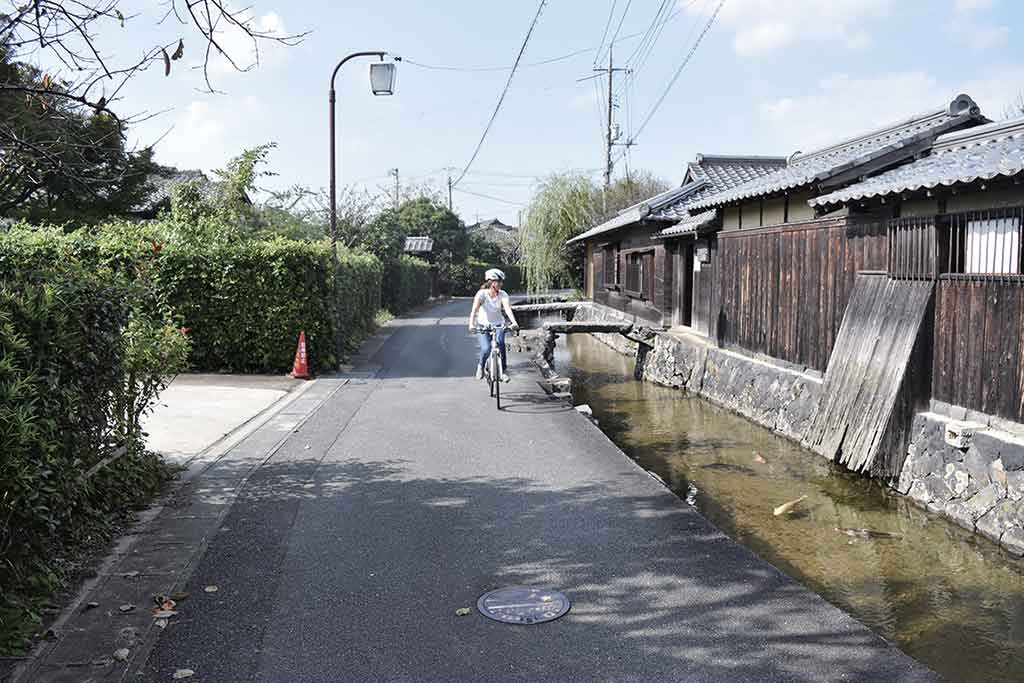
{"x": 382, "y": 82}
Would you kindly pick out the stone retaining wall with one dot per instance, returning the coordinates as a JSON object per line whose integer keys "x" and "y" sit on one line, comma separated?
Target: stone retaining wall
{"x": 975, "y": 479}
{"x": 978, "y": 481}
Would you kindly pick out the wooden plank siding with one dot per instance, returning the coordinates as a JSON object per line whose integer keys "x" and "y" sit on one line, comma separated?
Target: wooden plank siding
{"x": 977, "y": 363}
{"x": 879, "y": 376}
{"x": 783, "y": 291}
{"x": 656, "y": 308}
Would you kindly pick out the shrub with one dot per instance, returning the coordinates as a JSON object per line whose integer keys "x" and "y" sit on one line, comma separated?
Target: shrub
{"x": 243, "y": 302}
{"x": 407, "y": 283}
{"x": 464, "y": 279}
{"x": 73, "y": 387}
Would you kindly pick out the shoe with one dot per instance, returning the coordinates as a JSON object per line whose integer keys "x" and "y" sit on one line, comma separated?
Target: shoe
{"x": 479, "y": 372}
{"x": 504, "y": 377}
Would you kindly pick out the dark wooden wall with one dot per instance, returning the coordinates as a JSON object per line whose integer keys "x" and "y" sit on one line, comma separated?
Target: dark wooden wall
{"x": 979, "y": 345}
{"x": 783, "y": 291}
{"x": 656, "y": 310}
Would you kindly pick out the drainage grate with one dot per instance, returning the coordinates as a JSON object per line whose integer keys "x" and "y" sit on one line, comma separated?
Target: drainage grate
{"x": 523, "y": 605}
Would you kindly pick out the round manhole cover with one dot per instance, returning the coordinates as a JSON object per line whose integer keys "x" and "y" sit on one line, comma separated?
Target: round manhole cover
{"x": 523, "y": 605}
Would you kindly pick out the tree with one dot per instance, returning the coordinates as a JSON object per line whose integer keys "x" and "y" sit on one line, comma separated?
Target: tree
{"x": 426, "y": 216}
{"x": 60, "y": 138}
{"x": 565, "y": 206}
{"x": 60, "y": 160}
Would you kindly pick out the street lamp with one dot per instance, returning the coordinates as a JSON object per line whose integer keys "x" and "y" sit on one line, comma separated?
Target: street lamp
{"x": 382, "y": 82}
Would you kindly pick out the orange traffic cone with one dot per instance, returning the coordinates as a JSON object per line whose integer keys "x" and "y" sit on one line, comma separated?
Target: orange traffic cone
{"x": 300, "y": 369}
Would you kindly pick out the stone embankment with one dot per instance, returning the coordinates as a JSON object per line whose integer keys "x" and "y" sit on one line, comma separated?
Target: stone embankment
{"x": 969, "y": 472}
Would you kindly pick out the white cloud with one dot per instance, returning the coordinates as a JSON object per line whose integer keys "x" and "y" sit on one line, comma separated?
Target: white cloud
{"x": 243, "y": 51}
{"x": 971, "y": 5}
{"x": 762, "y": 26}
{"x": 206, "y": 133}
{"x": 842, "y": 106}
{"x": 965, "y": 29}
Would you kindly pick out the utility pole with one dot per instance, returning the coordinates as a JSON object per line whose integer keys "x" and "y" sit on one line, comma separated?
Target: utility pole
{"x": 449, "y": 192}
{"x": 610, "y": 134}
{"x": 394, "y": 172}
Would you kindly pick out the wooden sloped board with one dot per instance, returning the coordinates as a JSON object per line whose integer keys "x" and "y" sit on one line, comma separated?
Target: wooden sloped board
{"x": 876, "y": 344}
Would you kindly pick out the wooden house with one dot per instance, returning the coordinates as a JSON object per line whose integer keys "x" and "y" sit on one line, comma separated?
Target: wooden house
{"x": 957, "y": 214}
{"x": 629, "y": 269}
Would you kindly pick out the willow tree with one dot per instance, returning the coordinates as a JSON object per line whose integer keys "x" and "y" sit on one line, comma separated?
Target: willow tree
{"x": 563, "y": 207}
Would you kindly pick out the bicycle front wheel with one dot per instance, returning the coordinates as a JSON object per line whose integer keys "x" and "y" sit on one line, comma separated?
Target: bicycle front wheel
{"x": 496, "y": 376}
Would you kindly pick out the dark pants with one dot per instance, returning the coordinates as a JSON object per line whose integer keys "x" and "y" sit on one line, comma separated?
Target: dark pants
{"x": 485, "y": 347}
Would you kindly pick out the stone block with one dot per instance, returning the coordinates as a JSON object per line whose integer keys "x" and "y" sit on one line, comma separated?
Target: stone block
{"x": 1008, "y": 449}
{"x": 1013, "y": 540}
{"x": 1015, "y": 485}
{"x": 984, "y": 500}
{"x": 961, "y": 514}
{"x": 978, "y": 465}
{"x": 960, "y": 434}
{"x": 1003, "y": 515}
{"x": 929, "y": 490}
{"x": 956, "y": 479}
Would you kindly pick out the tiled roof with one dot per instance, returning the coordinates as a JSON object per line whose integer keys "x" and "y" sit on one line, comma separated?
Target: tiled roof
{"x": 418, "y": 245}
{"x": 706, "y": 175}
{"x": 980, "y": 153}
{"x": 902, "y": 139}
{"x": 164, "y": 183}
{"x": 690, "y": 224}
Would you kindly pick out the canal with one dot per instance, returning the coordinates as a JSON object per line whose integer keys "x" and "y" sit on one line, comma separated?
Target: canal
{"x": 949, "y": 599}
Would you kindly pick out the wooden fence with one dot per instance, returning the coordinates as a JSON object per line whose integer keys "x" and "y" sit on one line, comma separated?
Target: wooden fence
{"x": 979, "y": 346}
{"x": 783, "y": 291}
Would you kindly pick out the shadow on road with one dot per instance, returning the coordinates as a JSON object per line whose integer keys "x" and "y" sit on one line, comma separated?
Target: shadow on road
{"x": 353, "y": 570}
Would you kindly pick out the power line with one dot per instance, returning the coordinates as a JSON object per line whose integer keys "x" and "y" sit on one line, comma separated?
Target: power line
{"x": 675, "y": 77}
{"x": 617, "y": 29}
{"x": 650, "y": 30}
{"x": 551, "y": 60}
{"x": 611, "y": 13}
{"x": 504, "y": 92}
{"x": 487, "y": 196}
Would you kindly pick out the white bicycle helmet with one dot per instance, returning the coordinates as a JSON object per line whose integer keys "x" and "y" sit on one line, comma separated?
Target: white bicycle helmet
{"x": 494, "y": 274}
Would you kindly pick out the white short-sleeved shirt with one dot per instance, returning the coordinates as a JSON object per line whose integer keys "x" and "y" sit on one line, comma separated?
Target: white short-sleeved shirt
{"x": 490, "y": 309}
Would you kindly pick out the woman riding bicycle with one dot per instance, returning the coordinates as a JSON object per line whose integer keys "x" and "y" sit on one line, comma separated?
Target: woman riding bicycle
{"x": 488, "y": 305}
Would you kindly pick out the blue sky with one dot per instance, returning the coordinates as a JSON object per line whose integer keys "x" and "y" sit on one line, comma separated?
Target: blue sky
{"x": 770, "y": 77}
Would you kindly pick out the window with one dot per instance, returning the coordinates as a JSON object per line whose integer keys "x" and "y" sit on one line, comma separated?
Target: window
{"x": 993, "y": 246}
{"x": 640, "y": 274}
{"x": 610, "y": 263}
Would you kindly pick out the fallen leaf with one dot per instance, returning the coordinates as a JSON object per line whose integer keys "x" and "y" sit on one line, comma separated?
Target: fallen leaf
{"x": 180, "y": 596}
{"x": 758, "y": 458}
{"x": 127, "y": 607}
{"x": 91, "y": 605}
{"x": 102, "y": 661}
{"x": 122, "y": 654}
{"x": 211, "y": 589}
{"x": 163, "y": 613}
{"x": 161, "y": 623}
{"x": 183, "y": 673}
{"x": 130, "y": 575}
{"x": 463, "y": 612}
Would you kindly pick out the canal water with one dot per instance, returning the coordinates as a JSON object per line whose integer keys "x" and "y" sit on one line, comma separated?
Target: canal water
{"x": 951, "y": 600}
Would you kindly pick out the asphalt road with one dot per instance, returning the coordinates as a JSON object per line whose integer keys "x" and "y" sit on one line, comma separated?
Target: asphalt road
{"x": 407, "y": 496}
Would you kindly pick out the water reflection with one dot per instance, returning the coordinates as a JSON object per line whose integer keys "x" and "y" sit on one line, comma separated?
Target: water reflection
{"x": 947, "y": 598}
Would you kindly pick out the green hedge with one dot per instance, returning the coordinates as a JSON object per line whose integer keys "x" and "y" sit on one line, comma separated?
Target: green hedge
{"x": 407, "y": 283}
{"x": 243, "y": 303}
{"x": 464, "y": 279}
{"x": 64, "y": 399}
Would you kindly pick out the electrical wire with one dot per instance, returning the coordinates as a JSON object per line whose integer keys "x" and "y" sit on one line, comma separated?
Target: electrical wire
{"x": 650, "y": 30}
{"x": 504, "y": 92}
{"x": 487, "y": 196}
{"x": 617, "y": 28}
{"x": 675, "y": 77}
{"x": 611, "y": 13}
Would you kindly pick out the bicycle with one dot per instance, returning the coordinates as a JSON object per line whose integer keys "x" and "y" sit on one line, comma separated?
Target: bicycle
{"x": 493, "y": 369}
